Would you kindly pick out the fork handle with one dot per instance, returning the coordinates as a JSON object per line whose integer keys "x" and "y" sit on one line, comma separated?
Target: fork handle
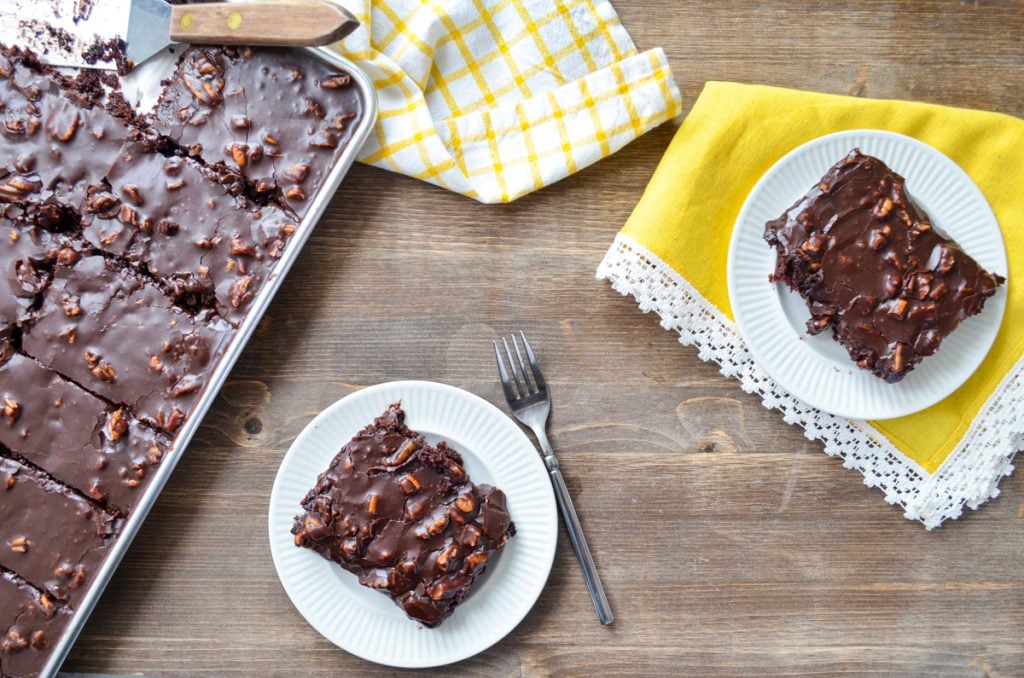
{"x": 572, "y": 525}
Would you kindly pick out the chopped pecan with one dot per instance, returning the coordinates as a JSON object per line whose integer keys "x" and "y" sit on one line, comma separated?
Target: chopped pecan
{"x": 174, "y": 420}
{"x": 239, "y": 154}
{"x": 883, "y": 208}
{"x": 239, "y": 247}
{"x": 240, "y": 293}
{"x": 134, "y": 194}
{"x": 103, "y": 203}
{"x": 11, "y": 410}
{"x": 326, "y": 139}
{"x": 46, "y": 605}
{"x": 117, "y": 424}
{"x": 187, "y": 384}
{"x": 336, "y": 81}
{"x": 13, "y": 642}
{"x": 105, "y": 371}
{"x": 71, "y": 305}
{"x": 19, "y": 186}
{"x": 339, "y": 120}
{"x": 67, "y": 256}
{"x": 315, "y": 108}
{"x": 296, "y": 173}
{"x": 154, "y": 454}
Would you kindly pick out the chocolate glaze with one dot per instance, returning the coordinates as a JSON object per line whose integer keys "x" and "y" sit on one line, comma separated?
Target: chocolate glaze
{"x": 279, "y": 120}
{"x": 58, "y": 545}
{"x": 100, "y": 450}
{"x": 181, "y": 221}
{"x": 30, "y": 622}
{"x": 405, "y": 518}
{"x": 873, "y": 268}
{"x": 113, "y": 332}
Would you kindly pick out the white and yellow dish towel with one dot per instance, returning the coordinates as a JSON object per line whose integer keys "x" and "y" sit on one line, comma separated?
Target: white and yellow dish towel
{"x": 671, "y": 256}
{"x": 494, "y": 99}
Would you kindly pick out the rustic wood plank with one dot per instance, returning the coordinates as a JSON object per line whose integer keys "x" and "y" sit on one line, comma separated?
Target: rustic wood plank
{"x": 728, "y": 542}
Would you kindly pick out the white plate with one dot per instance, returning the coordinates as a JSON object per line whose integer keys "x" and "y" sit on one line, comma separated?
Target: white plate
{"x": 771, "y": 318}
{"x": 366, "y": 622}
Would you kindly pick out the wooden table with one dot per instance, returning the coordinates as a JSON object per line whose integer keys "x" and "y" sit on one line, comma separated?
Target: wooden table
{"x": 728, "y": 542}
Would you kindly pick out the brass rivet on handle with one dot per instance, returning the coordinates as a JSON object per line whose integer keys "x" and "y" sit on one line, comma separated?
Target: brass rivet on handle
{"x": 234, "y": 20}
{"x": 187, "y": 20}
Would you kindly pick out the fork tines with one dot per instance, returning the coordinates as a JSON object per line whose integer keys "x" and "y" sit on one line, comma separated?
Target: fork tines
{"x": 524, "y": 386}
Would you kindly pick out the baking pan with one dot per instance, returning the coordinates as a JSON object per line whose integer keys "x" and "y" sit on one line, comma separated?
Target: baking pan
{"x": 151, "y": 75}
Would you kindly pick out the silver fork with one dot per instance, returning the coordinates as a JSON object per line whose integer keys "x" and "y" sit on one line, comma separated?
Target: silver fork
{"x": 531, "y": 405}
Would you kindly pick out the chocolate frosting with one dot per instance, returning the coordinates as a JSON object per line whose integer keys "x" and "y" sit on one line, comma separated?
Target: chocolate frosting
{"x": 53, "y": 148}
{"x": 279, "y": 122}
{"x": 58, "y": 545}
{"x": 187, "y": 224}
{"x": 111, "y": 331}
{"x": 30, "y": 621}
{"x": 100, "y": 450}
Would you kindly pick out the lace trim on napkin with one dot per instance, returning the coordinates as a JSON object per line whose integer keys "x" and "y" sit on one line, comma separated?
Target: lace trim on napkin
{"x": 971, "y": 474}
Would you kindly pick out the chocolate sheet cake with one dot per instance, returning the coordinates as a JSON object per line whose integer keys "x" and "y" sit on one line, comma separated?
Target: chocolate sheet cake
{"x": 130, "y": 253}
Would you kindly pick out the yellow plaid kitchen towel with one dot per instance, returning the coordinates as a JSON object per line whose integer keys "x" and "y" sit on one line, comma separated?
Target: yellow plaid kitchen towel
{"x": 671, "y": 255}
{"x": 494, "y": 99}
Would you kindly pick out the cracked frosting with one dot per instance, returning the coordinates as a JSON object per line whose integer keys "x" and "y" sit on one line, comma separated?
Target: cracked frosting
{"x": 53, "y": 148}
{"x": 30, "y": 622}
{"x": 58, "y": 545}
{"x": 404, "y": 517}
{"x": 98, "y": 449}
{"x": 113, "y": 332}
{"x": 279, "y": 123}
{"x": 189, "y": 226}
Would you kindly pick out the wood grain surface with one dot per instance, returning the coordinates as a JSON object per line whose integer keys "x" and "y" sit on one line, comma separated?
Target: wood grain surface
{"x": 728, "y": 542}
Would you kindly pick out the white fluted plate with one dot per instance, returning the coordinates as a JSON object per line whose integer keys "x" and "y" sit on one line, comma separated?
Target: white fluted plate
{"x": 366, "y": 622}
{"x": 771, "y": 317}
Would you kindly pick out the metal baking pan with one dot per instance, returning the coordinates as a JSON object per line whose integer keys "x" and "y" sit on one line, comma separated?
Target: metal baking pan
{"x": 152, "y": 75}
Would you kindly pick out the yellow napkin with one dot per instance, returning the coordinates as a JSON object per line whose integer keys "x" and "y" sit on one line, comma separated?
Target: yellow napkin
{"x": 672, "y": 253}
{"x": 494, "y": 99}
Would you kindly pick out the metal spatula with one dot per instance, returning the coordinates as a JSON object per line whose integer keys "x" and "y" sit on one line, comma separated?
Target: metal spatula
{"x": 61, "y": 30}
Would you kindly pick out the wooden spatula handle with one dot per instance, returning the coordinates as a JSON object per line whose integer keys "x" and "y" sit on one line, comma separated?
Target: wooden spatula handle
{"x": 305, "y": 22}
